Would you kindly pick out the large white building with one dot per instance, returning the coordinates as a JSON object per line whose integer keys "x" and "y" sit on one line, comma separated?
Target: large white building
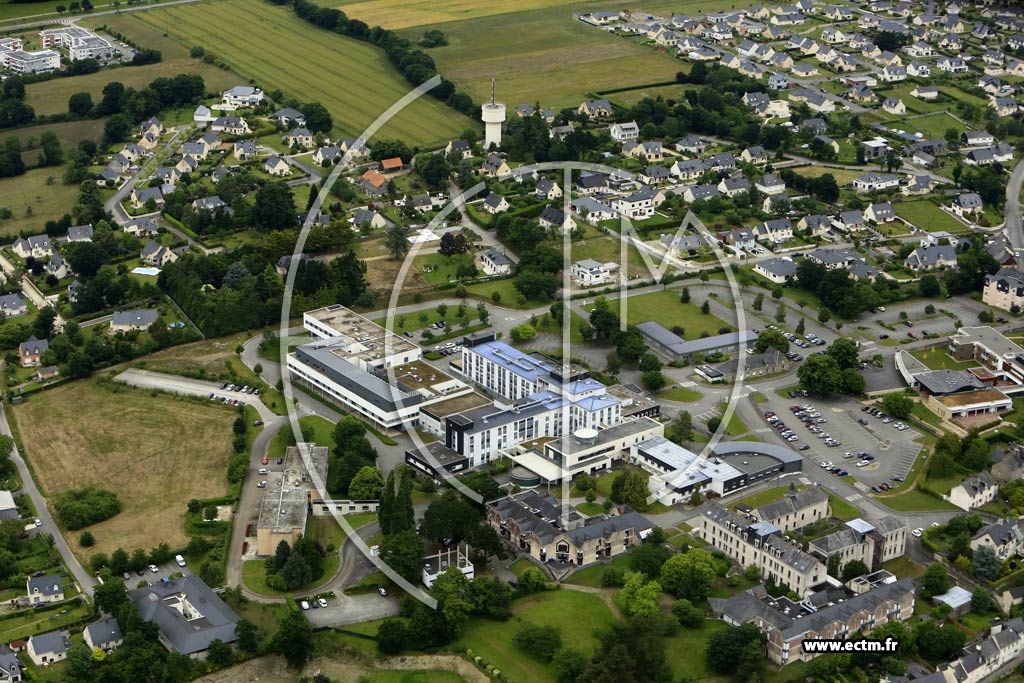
{"x": 21, "y": 62}
{"x": 79, "y": 43}
{"x": 351, "y": 361}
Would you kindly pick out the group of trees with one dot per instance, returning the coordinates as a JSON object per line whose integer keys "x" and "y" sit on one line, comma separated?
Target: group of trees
{"x": 13, "y": 110}
{"x": 970, "y": 453}
{"x": 78, "y": 508}
{"x": 539, "y": 263}
{"x": 352, "y": 468}
{"x": 121, "y": 561}
{"x": 291, "y": 567}
{"x": 127, "y": 106}
{"x": 841, "y": 293}
{"x": 630, "y": 346}
{"x": 835, "y": 371}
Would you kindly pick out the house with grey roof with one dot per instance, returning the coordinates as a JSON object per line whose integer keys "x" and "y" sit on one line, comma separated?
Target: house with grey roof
{"x": 10, "y": 668}
{"x": 37, "y": 246}
{"x": 188, "y": 615}
{"x": 104, "y": 635}
{"x": 778, "y": 270}
{"x": 494, "y": 262}
{"x": 128, "y": 321}
{"x": 932, "y": 257}
{"x": 494, "y": 203}
{"x": 12, "y": 305}
{"x": 44, "y": 589}
{"x": 973, "y": 492}
{"x": 80, "y": 233}
{"x": 881, "y": 212}
{"x": 1004, "y": 536}
{"x": 48, "y": 648}
{"x": 796, "y": 509}
{"x": 871, "y": 542}
{"x": 288, "y": 116}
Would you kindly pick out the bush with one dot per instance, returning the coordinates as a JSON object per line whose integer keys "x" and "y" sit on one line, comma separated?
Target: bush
{"x": 81, "y": 507}
{"x": 86, "y": 540}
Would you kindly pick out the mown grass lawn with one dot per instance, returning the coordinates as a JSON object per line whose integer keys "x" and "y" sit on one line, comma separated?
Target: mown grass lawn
{"x": 938, "y": 359}
{"x": 577, "y": 615}
{"x": 927, "y": 216}
{"x": 841, "y": 509}
{"x": 680, "y": 395}
{"x": 915, "y": 500}
{"x": 664, "y": 307}
{"x": 760, "y": 498}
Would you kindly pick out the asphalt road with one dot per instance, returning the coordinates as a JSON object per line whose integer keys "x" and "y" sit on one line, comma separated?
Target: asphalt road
{"x": 1012, "y": 225}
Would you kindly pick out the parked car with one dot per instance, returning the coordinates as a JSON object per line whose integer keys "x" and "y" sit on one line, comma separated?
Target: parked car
{"x": 383, "y": 592}
{"x": 304, "y": 605}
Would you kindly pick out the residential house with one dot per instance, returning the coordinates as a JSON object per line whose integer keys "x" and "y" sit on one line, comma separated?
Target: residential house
{"x": 1004, "y": 106}
{"x": 131, "y": 321}
{"x": 894, "y": 73}
{"x": 494, "y": 262}
{"x": 367, "y": 218}
{"x": 1005, "y": 537}
{"x": 596, "y": 109}
{"x": 374, "y": 183}
{"x": 211, "y": 203}
{"x": 850, "y": 221}
{"x": 495, "y": 203}
{"x": 637, "y": 205}
{"x": 922, "y": 70}
{"x": 30, "y": 352}
{"x": 233, "y": 125}
{"x": 242, "y": 96}
{"x": 591, "y": 210}
{"x": 552, "y": 218}
{"x": 894, "y": 105}
{"x": 327, "y": 155}
{"x": 48, "y": 648}
{"x": 967, "y": 204}
{"x": 654, "y": 175}
{"x": 244, "y": 150}
{"x": 770, "y": 184}
{"x": 647, "y": 151}
{"x": 36, "y": 246}
{"x": 932, "y": 257}
{"x": 104, "y": 635}
{"x": 817, "y": 224}
{"x": 880, "y": 213}
{"x": 459, "y": 148}
{"x": 79, "y": 233}
{"x": 952, "y": 65}
{"x": 13, "y": 305}
{"x": 42, "y": 590}
{"x": 697, "y": 192}
{"x": 691, "y": 144}
{"x": 494, "y": 166}
{"x": 277, "y": 166}
{"x": 547, "y": 189}
{"x": 299, "y": 137}
{"x": 755, "y": 155}
{"x": 590, "y": 273}
{"x": 392, "y": 165}
{"x": 734, "y": 186}
{"x": 973, "y": 492}
{"x": 141, "y": 227}
{"x": 778, "y": 270}
{"x": 871, "y": 181}
{"x": 288, "y": 116}
{"x": 625, "y": 132}
{"x": 157, "y": 255}
{"x": 57, "y": 267}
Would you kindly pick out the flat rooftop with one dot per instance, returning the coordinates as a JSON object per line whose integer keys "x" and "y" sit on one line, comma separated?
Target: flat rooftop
{"x": 356, "y": 337}
{"x": 457, "y": 404}
{"x": 990, "y": 338}
{"x": 286, "y": 497}
{"x": 424, "y": 378}
{"x": 972, "y": 398}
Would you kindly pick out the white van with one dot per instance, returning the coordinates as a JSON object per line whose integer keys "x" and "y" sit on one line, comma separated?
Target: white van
{"x": 263, "y": 470}
{"x": 180, "y": 560}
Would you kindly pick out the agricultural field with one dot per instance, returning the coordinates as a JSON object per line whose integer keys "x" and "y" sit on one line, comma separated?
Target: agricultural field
{"x": 356, "y": 83}
{"x": 34, "y": 199}
{"x": 51, "y": 97}
{"x": 398, "y": 14}
{"x": 155, "y": 451}
{"x": 550, "y": 58}
{"x": 925, "y": 215}
{"x": 631, "y": 97}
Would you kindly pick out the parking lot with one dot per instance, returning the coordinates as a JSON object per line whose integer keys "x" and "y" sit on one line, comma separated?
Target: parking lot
{"x": 941, "y": 322}
{"x": 892, "y": 451}
{"x": 342, "y": 609}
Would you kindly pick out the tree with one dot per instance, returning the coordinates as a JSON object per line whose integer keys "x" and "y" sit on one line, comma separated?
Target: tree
{"x": 929, "y": 286}
{"x": 86, "y": 540}
{"x": 79, "y": 664}
{"x": 521, "y": 334}
{"x": 220, "y": 653}
{"x": 653, "y": 380}
{"x": 387, "y": 503}
{"x": 403, "y": 552}
{"x": 448, "y": 517}
{"x": 898, "y": 406}
{"x": 771, "y": 339}
{"x": 110, "y": 595}
{"x": 639, "y": 597}
{"x": 318, "y": 119}
{"x": 274, "y": 208}
{"x": 367, "y": 484}
{"x": 759, "y": 301}
{"x": 296, "y": 571}
{"x": 392, "y": 636}
{"x": 705, "y": 307}
{"x": 248, "y": 636}
{"x": 688, "y": 615}
{"x": 819, "y": 374}
{"x": 689, "y": 575}
{"x": 294, "y": 640}
{"x": 568, "y": 664}
{"x": 684, "y": 295}
{"x": 844, "y": 351}
{"x": 986, "y": 564}
{"x": 649, "y": 558}
{"x": 853, "y": 569}
{"x": 634, "y": 490}
{"x": 452, "y": 244}
{"x": 537, "y": 640}
{"x": 629, "y": 652}
{"x": 934, "y": 580}
{"x": 395, "y": 242}
{"x": 725, "y": 648}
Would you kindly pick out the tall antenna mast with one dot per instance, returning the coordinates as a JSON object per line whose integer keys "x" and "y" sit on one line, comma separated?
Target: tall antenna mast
{"x": 492, "y": 91}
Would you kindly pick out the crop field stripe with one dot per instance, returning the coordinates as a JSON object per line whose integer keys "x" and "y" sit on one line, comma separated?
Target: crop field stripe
{"x": 356, "y": 82}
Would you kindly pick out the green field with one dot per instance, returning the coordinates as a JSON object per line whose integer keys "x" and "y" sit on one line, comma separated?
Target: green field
{"x": 680, "y": 395}
{"x": 933, "y": 125}
{"x": 760, "y": 498}
{"x": 576, "y": 614}
{"x": 549, "y": 58}
{"x": 51, "y": 97}
{"x": 938, "y": 359}
{"x": 33, "y": 201}
{"x": 664, "y": 307}
{"x": 352, "y": 79}
{"x": 927, "y": 216}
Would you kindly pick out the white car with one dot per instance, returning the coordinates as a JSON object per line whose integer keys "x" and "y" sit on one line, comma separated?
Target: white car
{"x": 38, "y": 522}
{"x": 862, "y": 463}
{"x": 322, "y": 602}
{"x": 825, "y": 463}
{"x": 936, "y": 524}
{"x": 179, "y": 560}
{"x": 153, "y": 568}
{"x": 917, "y": 532}
{"x": 304, "y": 605}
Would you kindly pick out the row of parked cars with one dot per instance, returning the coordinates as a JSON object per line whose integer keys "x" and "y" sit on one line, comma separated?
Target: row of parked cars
{"x": 811, "y": 338}
{"x": 784, "y": 431}
{"x": 226, "y": 400}
{"x": 812, "y": 419}
{"x": 834, "y": 469}
{"x": 876, "y": 412}
{"x": 237, "y": 387}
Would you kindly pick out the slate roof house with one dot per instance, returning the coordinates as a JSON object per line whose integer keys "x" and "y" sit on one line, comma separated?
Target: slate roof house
{"x": 44, "y": 589}
{"x": 48, "y": 648}
{"x": 126, "y": 321}
{"x": 104, "y": 634}
{"x": 29, "y": 352}
{"x": 188, "y": 615}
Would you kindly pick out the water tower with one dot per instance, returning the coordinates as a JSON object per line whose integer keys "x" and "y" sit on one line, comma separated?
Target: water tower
{"x": 493, "y": 115}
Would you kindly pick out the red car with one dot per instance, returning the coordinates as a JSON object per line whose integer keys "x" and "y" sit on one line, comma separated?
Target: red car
{"x": 264, "y": 459}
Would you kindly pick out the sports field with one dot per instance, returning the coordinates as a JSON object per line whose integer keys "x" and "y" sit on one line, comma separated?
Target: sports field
{"x": 352, "y": 79}
{"x": 549, "y": 58}
{"x": 156, "y": 451}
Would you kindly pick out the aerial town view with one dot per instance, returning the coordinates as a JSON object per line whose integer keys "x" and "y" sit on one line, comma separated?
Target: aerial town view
{"x": 536, "y": 341}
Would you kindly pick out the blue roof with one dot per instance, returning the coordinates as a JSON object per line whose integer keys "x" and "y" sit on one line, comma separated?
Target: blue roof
{"x": 592, "y": 403}
{"x": 513, "y": 360}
